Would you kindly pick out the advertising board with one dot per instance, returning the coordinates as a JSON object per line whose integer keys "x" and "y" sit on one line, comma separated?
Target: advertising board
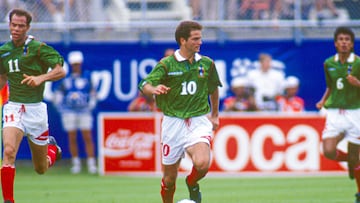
{"x": 253, "y": 143}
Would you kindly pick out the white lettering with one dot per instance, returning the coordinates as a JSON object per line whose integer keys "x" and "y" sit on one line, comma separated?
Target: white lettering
{"x": 220, "y": 148}
{"x": 258, "y": 147}
{"x": 145, "y": 65}
{"x": 298, "y": 150}
{"x": 119, "y": 94}
{"x": 122, "y": 143}
{"x": 309, "y": 147}
{"x": 102, "y": 83}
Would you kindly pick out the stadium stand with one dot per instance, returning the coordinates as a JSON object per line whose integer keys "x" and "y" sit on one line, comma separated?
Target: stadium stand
{"x": 150, "y": 10}
{"x": 352, "y": 7}
{"x": 146, "y": 20}
{"x": 117, "y": 11}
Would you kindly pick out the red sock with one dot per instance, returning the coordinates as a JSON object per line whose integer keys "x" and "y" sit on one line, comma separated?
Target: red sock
{"x": 341, "y": 156}
{"x": 52, "y": 149}
{"x": 194, "y": 177}
{"x": 167, "y": 194}
{"x": 7, "y": 182}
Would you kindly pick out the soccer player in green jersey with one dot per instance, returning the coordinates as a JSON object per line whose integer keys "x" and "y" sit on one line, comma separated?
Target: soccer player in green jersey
{"x": 24, "y": 64}
{"x": 183, "y": 84}
{"x": 342, "y": 101}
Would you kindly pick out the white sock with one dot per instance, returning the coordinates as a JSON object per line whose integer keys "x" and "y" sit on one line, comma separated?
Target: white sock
{"x": 91, "y": 163}
{"x": 76, "y": 161}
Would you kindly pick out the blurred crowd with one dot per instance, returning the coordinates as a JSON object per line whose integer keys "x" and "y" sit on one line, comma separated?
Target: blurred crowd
{"x": 98, "y": 10}
{"x": 265, "y": 9}
{"x": 264, "y": 88}
{"x": 57, "y": 10}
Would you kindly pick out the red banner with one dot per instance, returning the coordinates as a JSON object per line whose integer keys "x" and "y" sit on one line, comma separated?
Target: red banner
{"x": 130, "y": 142}
{"x": 127, "y": 143}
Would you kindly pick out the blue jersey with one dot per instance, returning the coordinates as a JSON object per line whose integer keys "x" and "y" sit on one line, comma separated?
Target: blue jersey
{"x": 76, "y": 90}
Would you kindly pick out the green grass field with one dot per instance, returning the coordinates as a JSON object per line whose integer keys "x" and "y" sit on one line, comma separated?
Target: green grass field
{"x": 58, "y": 185}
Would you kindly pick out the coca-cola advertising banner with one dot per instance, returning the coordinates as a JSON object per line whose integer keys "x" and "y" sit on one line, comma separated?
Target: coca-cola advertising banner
{"x": 254, "y": 143}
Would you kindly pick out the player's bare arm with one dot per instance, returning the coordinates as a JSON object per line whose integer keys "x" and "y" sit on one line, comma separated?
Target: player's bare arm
{"x": 55, "y": 74}
{"x": 149, "y": 90}
{"x": 3, "y": 80}
{"x": 214, "y": 115}
{"x": 321, "y": 103}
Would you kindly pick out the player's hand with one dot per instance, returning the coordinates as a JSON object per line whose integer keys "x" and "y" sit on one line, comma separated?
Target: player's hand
{"x": 353, "y": 80}
{"x": 32, "y": 81}
{"x": 319, "y": 105}
{"x": 161, "y": 89}
{"x": 215, "y": 121}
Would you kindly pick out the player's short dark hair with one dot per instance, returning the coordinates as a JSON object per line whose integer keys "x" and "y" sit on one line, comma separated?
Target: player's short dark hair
{"x": 20, "y": 12}
{"x": 184, "y": 29}
{"x": 344, "y": 30}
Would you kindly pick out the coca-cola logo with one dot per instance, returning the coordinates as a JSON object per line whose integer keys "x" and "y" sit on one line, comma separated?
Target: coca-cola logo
{"x": 123, "y": 143}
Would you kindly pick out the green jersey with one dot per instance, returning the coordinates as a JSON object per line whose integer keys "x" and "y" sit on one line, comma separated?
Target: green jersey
{"x": 343, "y": 95}
{"x": 190, "y": 85}
{"x": 33, "y": 58}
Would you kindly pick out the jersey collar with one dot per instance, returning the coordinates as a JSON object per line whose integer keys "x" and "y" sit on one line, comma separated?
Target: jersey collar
{"x": 350, "y": 59}
{"x": 181, "y": 58}
{"x": 29, "y": 38}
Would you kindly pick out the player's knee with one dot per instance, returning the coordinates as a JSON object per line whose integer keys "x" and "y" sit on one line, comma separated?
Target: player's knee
{"x": 202, "y": 165}
{"x": 9, "y": 153}
{"x": 330, "y": 154}
{"x": 169, "y": 181}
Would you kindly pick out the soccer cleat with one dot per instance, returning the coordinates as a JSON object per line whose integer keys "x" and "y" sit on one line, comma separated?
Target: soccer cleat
{"x": 75, "y": 169}
{"x": 357, "y": 195}
{"x": 7, "y": 201}
{"x": 194, "y": 192}
{"x": 92, "y": 169}
{"x": 91, "y": 164}
{"x": 52, "y": 141}
{"x": 76, "y": 165}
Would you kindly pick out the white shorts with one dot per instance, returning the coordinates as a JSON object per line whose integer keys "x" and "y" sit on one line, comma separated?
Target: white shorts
{"x": 178, "y": 134}
{"x": 343, "y": 121}
{"x": 32, "y": 119}
{"x": 74, "y": 120}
